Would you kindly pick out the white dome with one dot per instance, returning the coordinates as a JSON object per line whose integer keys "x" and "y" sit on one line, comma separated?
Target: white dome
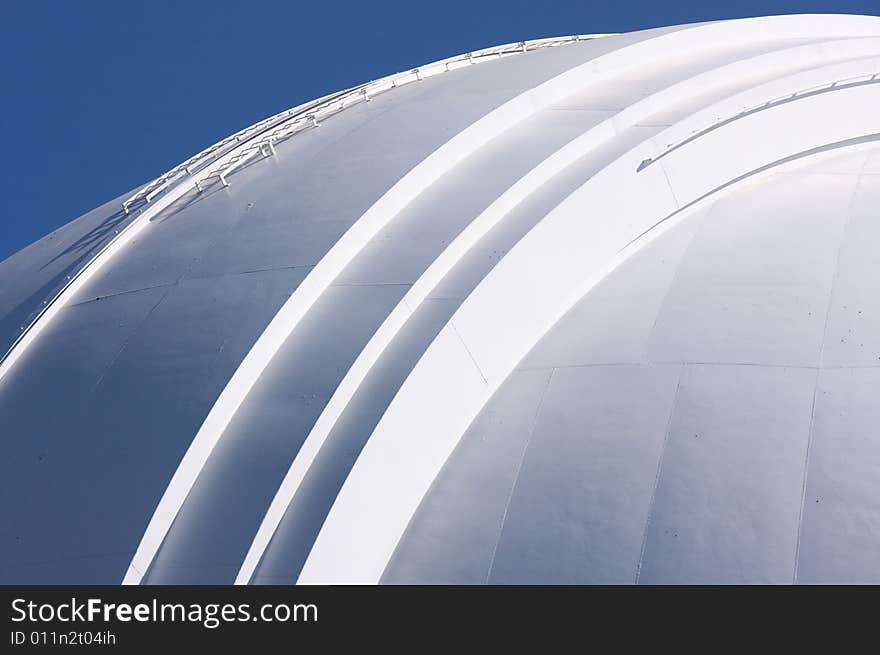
{"x": 596, "y": 309}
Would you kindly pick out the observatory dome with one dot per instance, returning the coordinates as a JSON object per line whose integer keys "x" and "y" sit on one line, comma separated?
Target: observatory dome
{"x": 588, "y": 309}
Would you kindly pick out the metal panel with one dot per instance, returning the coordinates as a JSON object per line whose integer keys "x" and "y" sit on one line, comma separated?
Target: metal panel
{"x": 141, "y": 402}
{"x": 454, "y": 150}
{"x": 766, "y": 305}
{"x": 528, "y": 290}
{"x": 453, "y": 536}
{"x": 492, "y": 247}
{"x": 396, "y": 255}
{"x": 46, "y": 534}
{"x": 840, "y": 537}
{"x": 872, "y": 166}
{"x": 852, "y": 336}
{"x": 614, "y": 322}
{"x": 420, "y": 232}
{"x": 612, "y": 325}
{"x": 216, "y": 523}
{"x": 31, "y": 277}
{"x": 304, "y": 515}
{"x": 728, "y": 499}
{"x": 578, "y": 511}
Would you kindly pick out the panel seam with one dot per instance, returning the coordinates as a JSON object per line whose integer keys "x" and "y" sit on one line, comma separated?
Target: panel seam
{"x": 657, "y": 475}
{"x": 810, "y": 434}
{"x": 518, "y": 471}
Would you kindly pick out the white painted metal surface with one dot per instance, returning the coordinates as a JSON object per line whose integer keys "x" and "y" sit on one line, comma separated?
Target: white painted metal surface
{"x": 498, "y": 324}
{"x": 601, "y": 312}
{"x": 477, "y": 229}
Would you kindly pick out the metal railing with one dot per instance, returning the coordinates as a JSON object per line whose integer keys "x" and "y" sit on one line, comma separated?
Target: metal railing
{"x": 825, "y": 87}
{"x": 219, "y": 160}
{"x": 260, "y": 139}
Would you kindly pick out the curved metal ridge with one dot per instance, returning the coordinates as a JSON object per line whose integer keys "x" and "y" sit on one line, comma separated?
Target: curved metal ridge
{"x": 379, "y": 215}
{"x": 466, "y": 352}
{"x": 288, "y": 122}
{"x": 496, "y": 121}
{"x": 233, "y": 151}
{"x": 592, "y": 315}
{"x": 553, "y": 165}
{"x": 320, "y": 577}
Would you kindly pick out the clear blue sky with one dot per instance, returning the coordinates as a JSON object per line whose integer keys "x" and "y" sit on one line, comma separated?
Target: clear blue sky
{"x": 99, "y": 96}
